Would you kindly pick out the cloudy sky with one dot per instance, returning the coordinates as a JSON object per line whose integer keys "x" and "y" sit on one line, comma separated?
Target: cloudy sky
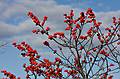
{"x": 16, "y": 25}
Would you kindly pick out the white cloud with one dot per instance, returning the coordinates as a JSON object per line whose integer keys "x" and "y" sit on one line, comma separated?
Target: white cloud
{"x": 106, "y": 17}
{"x": 20, "y": 9}
{"x": 9, "y": 30}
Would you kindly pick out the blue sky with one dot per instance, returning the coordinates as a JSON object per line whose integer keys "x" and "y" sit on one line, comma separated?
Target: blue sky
{"x": 15, "y": 24}
{"x": 97, "y": 5}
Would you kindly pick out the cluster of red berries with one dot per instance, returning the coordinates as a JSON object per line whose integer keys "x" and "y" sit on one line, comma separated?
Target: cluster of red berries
{"x": 9, "y": 75}
{"x": 37, "y": 66}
